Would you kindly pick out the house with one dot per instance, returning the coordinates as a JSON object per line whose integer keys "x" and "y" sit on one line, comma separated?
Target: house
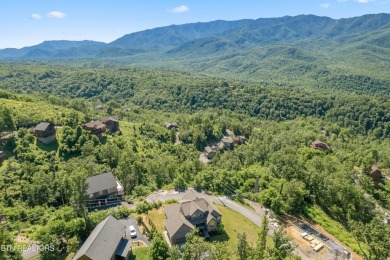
{"x": 171, "y": 125}
{"x": 107, "y": 241}
{"x": 228, "y": 143}
{"x": 317, "y": 144}
{"x": 376, "y": 174}
{"x": 210, "y": 152}
{"x": 45, "y": 132}
{"x": 126, "y": 109}
{"x": 111, "y": 122}
{"x": 104, "y": 186}
{"x": 240, "y": 139}
{"x": 193, "y": 212}
{"x": 95, "y": 127}
{"x": 2, "y": 154}
{"x": 99, "y": 107}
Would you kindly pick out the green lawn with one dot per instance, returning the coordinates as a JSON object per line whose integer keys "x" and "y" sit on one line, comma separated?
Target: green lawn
{"x": 157, "y": 216}
{"x": 140, "y": 254}
{"x": 235, "y": 223}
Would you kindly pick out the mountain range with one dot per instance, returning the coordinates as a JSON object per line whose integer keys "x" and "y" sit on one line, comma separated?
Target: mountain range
{"x": 304, "y": 50}
{"x": 219, "y": 37}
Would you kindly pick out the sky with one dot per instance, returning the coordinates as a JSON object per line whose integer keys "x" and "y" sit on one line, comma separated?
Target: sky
{"x": 29, "y": 22}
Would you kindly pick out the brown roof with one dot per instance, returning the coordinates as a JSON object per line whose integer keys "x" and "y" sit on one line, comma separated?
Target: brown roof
{"x": 319, "y": 144}
{"x": 112, "y": 118}
{"x": 95, "y": 124}
{"x": 208, "y": 149}
{"x": 227, "y": 140}
{"x": 375, "y": 167}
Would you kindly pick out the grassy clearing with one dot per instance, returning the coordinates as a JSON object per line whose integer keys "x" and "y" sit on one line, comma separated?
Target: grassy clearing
{"x": 157, "y": 216}
{"x": 235, "y": 223}
{"x": 333, "y": 227}
{"x": 140, "y": 254}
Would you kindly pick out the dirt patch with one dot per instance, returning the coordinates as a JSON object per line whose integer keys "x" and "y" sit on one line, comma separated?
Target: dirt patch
{"x": 319, "y": 228}
{"x": 287, "y": 219}
{"x": 138, "y": 244}
{"x": 295, "y": 234}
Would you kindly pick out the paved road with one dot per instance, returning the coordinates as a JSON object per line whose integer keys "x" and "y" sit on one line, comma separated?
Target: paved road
{"x": 31, "y": 252}
{"x": 131, "y": 221}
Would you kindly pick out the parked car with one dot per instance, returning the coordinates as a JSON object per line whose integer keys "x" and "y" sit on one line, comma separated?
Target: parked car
{"x": 133, "y": 233}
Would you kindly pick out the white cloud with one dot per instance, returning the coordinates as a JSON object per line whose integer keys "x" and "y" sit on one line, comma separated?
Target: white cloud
{"x": 364, "y": 1}
{"x": 56, "y": 14}
{"x": 180, "y": 9}
{"x": 35, "y": 16}
{"x": 342, "y": 0}
{"x": 325, "y": 5}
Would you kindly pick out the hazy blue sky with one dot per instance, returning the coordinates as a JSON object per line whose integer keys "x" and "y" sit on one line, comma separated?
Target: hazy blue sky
{"x": 29, "y": 22}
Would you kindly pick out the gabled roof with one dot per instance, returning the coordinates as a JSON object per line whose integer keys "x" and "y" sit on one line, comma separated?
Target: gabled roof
{"x": 189, "y": 208}
{"x": 42, "y": 126}
{"x": 95, "y": 124}
{"x": 103, "y": 242}
{"x": 227, "y": 140}
{"x": 190, "y": 195}
{"x": 112, "y": 118}
{"x": 178, "y": 229}
{"x": 208, "y": 149}
{"x": 101, "y": 182}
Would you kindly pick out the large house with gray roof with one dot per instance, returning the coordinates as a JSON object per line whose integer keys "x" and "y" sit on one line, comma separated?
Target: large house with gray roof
{"x": 107, "y": 241}
{"x": 193, "y": 212}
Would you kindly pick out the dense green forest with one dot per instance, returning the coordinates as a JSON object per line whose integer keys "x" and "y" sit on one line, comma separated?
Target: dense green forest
{"x": 279, "y": 123}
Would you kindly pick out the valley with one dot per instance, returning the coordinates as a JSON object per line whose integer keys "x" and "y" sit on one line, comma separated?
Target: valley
{"x": 298, "y": 107}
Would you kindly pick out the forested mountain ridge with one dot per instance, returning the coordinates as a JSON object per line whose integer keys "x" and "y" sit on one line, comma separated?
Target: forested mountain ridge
{"x": 173, "y": 91}
{"x": 305, "y": 51}
{"x": 241, "y": 34}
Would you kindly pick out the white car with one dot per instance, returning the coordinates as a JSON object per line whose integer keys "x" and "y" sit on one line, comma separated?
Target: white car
{"x": 133, "y": 233}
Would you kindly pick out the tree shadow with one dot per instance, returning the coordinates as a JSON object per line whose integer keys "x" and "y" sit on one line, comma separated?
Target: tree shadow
{"x": 53, "y": 146}
{"x": 224, "y": 237}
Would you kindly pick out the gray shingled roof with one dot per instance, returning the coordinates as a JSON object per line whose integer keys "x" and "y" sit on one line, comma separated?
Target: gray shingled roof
{"x": 42, "y": 126}
{"x": 176, "y": 223}
{"x": 101, "y": 182}
{"x": 113, "y": 118}
{"x": 103, "y": 241}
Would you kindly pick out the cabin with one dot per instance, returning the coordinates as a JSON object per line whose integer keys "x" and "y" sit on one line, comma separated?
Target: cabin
{"x": 240, "y": 139}
{"x": 193, "y": 212}
{"x": 45, "y": 132}
{"x": 96, "y": 127}
{"x": 2, "y": 154}
{"x": 228, "y": 143}
{"x": 376, "y": 175}
{"x": 111, "y": 122}
{"x": 104, "y": 186}
{"x": 210, "y": 152}
{"x": 317, "y": 144}
{"x": 107, "y": 241}
{"x": 99, "y": 107}
{"x": 171, "y": 125}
